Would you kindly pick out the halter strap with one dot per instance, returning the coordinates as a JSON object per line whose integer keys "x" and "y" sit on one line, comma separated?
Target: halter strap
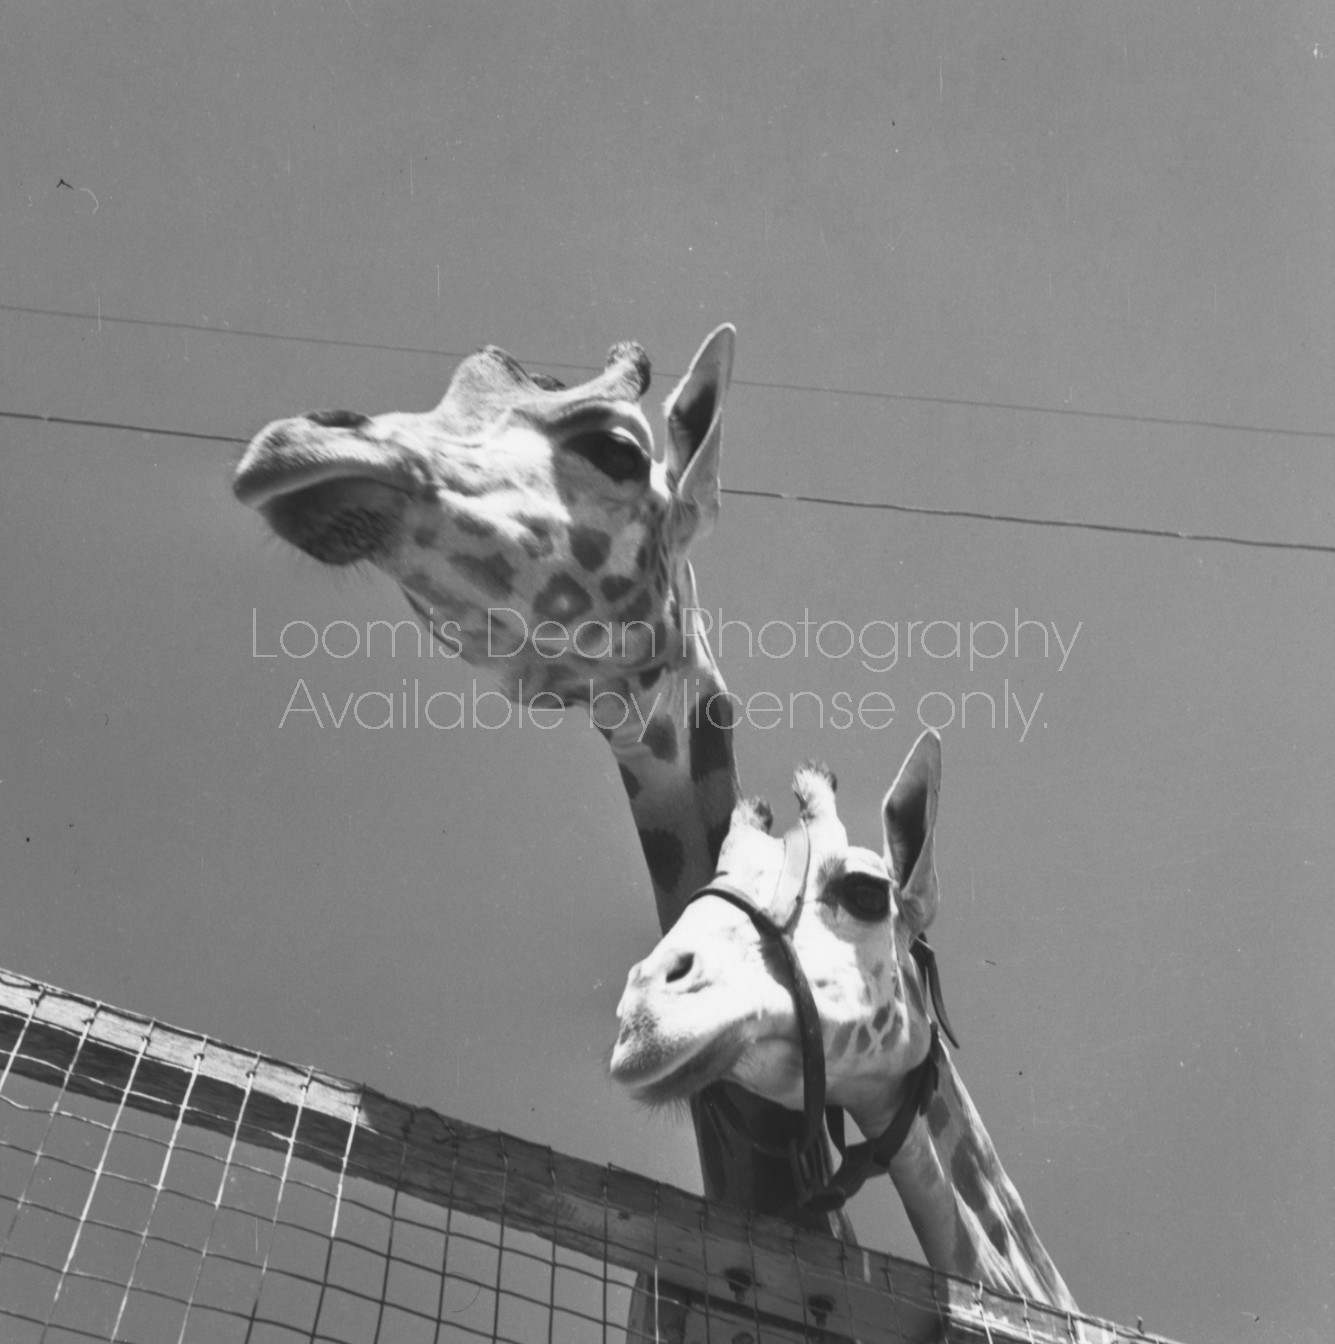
{"x": 925, "y": 956}
{"x": 787, "y": 902}
{"x": 872, "y": 1157}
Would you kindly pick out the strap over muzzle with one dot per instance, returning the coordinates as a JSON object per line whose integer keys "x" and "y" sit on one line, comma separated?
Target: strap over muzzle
{"x": 775, "y": 921}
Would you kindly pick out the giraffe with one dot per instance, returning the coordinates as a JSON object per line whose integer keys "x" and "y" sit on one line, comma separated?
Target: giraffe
{"x": 531, "y": 527}
{"x": 715, "y": 1000}
{"x": 538, "y": 534}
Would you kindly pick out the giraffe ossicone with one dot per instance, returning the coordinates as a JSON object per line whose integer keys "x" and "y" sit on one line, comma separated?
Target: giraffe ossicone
{"x": 715, "y": 1002}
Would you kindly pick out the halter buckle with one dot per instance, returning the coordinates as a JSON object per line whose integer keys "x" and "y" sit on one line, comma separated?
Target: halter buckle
{"x": 812, "y": 1191}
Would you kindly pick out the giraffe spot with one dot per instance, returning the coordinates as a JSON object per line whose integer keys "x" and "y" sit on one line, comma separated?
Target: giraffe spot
{"x": 719, "y": 710}
{"x": 642, "y": 558}
{"x": 563, "y": 599}
{"x": 639, "y": 607}
{"x": 629, "y": 783}
{"x": 615, "y": 586}
{"x": 864, "y": 1039}
{"x": 715, "y": 837}
{"x": 877, "y": 972}
{"x": 338, "y": 419}
{"x": 589, "y": 546}
{"x": 665, "y": 856}
{"x": 882, "y": 1016}
{"x": 938, "y": 1116}
{"x": 661, "y": 738}
{"x": 711, "y": 747}
{"x": 986, "y": 1160}
{"x": 970, "y": 1178}
{"x": 647, "y": 679}
{"x": 709, "y": 751}
{"x": 493, "y": 573}
{"x": 425, "y": 536}
{"x": 965, "y": 1255}
{"x": 842, "y": 1035}
{"x": 475, "y": 526}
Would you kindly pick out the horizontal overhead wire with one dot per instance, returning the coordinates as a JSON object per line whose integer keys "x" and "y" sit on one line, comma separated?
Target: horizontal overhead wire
{"x": 1170, "y": 534}
{"x": 1034, "y": 408}
{"x": 790, "y": 497}
{"x": 119, "y": 424}
{"x": 921, "y": 398}
{"x": 786, "y": 497}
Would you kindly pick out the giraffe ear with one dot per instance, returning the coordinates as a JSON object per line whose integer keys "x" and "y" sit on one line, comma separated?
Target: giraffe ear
{"x": 694, "y": 414}
{"x": 909, "y": 814}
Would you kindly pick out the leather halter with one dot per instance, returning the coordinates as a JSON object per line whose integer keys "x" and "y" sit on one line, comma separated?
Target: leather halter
{"x": 860, "y": 1161}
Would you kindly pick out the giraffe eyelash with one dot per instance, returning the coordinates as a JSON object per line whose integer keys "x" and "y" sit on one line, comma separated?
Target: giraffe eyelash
{"x": 831, "y": 869}
{"x": 829, "y": 875}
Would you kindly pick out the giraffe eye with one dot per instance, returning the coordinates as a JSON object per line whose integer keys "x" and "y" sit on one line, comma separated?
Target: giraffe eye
{"x": 865, "y": 898}
{"x": 616, "y": 455}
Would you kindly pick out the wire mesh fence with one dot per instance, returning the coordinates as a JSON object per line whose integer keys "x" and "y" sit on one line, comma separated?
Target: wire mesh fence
{"x": 156, "y": 1186}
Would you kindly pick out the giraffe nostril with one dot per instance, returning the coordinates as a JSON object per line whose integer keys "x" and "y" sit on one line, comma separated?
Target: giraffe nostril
{"x": 682, "y": 965}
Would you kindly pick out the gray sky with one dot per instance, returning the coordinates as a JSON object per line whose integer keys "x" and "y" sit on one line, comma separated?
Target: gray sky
{"x": 1123, "y": 209}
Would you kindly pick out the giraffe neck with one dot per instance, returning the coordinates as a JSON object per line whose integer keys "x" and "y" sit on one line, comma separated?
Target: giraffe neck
{"x": 968, "y": 1216}
{"x": 674, "y": 750}
{"x": 672, "y": 742}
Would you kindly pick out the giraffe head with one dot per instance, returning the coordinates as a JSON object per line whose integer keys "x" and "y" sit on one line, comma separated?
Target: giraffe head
{"x": 714, "y": 1000}
{"x": 717, "y": 1001}
{"x": 533, "y": 526}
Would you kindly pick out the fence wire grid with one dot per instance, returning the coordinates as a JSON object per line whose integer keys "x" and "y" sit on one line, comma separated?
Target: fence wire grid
{"x": 158, "y": 1186}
